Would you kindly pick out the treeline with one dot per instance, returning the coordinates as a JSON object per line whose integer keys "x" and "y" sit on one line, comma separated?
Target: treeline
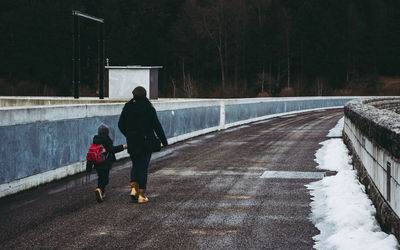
{"x": 208, "y": 48}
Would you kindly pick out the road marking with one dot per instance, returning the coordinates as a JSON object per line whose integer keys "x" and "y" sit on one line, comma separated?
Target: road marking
{"x": 265, "y": 175}
{"x": 287, "y": 116}
{"x": 193, "y": 141}
{"x": 292, "y": 175}
{"x": 180, "y": 172}
{"x": 236, "y": 197}
{"x": 213, "y": 232}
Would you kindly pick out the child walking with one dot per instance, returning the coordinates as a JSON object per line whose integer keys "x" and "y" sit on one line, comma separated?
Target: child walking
{"x": 103, "y": 169}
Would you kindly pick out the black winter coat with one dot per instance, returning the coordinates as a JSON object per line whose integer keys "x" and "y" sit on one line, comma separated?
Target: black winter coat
{"x": 139, "y": 119}
{"x": 106, "y": 141}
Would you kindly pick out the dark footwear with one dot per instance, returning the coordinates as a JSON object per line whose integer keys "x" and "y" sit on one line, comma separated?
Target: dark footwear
{"x": 99, "y": 195}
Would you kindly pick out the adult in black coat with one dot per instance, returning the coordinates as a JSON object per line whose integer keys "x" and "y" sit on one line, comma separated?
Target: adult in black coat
{"x": 137, "y": 121}
{"x": 103, "y": 169}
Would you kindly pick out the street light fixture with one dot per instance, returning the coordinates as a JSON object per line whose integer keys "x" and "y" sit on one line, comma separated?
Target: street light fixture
{"x": 76, "y": 51}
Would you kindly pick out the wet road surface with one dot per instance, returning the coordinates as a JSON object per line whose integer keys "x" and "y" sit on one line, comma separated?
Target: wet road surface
{"x": 205, "y": 193}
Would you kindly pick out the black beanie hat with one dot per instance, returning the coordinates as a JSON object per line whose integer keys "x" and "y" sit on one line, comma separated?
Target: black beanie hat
{"x": 139, "y": 92}
{"x": 102, "y": 130}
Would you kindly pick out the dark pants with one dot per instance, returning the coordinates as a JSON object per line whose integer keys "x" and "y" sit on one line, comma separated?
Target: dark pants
{"x": 140, "y": 166}
{"x": 102, "y": 180}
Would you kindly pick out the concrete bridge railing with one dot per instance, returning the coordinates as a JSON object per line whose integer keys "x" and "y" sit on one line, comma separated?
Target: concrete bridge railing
{"x": 372, "y": 133}
{"x": 49, "y": 140}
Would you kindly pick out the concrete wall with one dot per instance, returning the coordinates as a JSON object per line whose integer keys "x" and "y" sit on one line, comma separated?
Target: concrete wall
{"x": 44, "y": 143}
{"x": 18, "y": 101}
{"x": 372, "y": 133}
{"x": 237, "y": 111}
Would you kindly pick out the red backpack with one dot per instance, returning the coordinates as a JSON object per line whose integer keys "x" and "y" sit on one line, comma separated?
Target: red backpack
{"x": 97, "y": 154}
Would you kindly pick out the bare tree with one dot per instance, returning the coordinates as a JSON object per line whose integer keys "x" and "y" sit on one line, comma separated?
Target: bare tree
{"x": 189, "y": 87}
{"x": 188, "y": 83}
{"x": 174, "y": 87}
{"x": 286, "y": 23}
{"x": 213, "y": 24}
{"x": 320, "y": 85}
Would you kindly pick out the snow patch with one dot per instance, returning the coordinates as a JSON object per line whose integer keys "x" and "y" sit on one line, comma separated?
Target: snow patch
{"x": 340, "y": 209}
{"x": 337, "y": 130}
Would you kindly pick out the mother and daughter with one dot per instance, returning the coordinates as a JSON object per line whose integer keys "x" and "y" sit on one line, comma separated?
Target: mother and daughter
{"x": 138, "y": 123}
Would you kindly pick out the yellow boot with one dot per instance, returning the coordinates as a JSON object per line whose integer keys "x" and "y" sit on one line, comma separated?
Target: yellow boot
{"x": 142, "y": 197}
{"x": 99, "y": 195}
{"x": 134, "y": 191}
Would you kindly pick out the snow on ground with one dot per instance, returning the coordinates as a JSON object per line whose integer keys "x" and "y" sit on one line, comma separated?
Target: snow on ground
{"x": 340, "y": 209}
{"x": 337, "y": 130}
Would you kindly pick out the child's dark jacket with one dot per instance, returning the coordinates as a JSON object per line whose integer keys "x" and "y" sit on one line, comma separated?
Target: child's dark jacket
{"x": 106, "y": 141}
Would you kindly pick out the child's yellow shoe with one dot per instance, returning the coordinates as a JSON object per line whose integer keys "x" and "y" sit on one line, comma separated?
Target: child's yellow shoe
{"x": 99, "y": 195}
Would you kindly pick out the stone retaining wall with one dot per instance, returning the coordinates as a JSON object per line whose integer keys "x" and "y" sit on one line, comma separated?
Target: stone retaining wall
{"x": 372, "y": 134}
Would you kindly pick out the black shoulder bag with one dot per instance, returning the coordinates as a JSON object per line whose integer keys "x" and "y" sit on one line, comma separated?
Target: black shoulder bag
{"x": 152, "y": 144}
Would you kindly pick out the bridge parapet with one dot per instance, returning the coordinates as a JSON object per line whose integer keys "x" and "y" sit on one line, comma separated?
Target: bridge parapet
{"x": 390, "y": 103}
{"x": 372, "y": 133}
{"x": 47, "y": 139}
{"x": 19, "y": 101}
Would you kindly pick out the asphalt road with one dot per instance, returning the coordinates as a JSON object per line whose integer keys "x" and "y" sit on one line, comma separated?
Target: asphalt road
{"x": 205, "y": 193}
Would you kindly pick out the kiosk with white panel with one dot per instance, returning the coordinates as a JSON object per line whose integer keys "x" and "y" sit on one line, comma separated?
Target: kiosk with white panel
{"x": 123, "y": 79}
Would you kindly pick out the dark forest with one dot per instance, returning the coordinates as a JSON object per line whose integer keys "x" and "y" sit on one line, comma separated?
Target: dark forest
{"x": 219, "y": 48}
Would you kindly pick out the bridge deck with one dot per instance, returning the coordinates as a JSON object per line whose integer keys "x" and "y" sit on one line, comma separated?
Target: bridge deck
{"x": 205, "y": 192}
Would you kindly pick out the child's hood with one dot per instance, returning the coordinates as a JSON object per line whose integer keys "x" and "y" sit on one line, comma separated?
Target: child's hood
{"x": 103, "y": 130}
{"x": 102, "y": 136}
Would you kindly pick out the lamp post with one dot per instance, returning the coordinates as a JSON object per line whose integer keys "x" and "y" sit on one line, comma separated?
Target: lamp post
{"x": 76, "y": 53}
